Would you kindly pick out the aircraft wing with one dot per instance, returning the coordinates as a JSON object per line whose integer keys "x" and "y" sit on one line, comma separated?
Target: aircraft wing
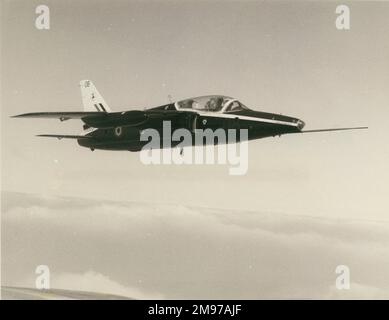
{"x": 94, "y": 119}
{"x": 64, "y": 136}
{"x": 59, "y": 115}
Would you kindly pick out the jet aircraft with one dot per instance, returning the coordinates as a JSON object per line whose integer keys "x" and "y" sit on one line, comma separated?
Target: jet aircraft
{"x": 107, "y": 130}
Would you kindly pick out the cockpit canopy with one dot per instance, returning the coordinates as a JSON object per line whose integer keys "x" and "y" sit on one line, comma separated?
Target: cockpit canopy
{"x": 220, "y": 104}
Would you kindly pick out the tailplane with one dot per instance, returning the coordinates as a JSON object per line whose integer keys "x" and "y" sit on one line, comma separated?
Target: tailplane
{"x": 91, "y": 98}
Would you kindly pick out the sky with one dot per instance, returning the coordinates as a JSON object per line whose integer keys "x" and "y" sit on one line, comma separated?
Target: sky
{"x": 279, "y": 57}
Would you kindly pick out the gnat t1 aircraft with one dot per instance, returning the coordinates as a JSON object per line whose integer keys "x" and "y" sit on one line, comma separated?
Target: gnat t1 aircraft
{"x": 107, "y": 130}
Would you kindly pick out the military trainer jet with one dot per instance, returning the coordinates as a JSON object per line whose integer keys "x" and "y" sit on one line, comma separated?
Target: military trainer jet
{"x": 107, "y": 130}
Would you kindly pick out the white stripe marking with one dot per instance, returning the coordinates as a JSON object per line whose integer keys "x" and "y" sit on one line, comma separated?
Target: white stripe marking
{"x": 235, "y": 116}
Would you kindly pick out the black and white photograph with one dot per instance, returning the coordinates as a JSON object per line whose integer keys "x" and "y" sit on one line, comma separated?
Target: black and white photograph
{"x": 166, "y": 150}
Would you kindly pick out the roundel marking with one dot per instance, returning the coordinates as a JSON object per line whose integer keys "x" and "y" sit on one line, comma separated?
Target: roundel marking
{"x": 118, "y": 131}
{"x": 204, "y": 121}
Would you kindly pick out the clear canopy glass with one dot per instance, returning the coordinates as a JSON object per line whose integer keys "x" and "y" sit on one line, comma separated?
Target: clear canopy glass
{"x": 211, "y": 104}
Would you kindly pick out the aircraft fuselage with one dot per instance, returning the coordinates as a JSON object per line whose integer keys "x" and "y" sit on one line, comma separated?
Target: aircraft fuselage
{"x": 128, "y": 137}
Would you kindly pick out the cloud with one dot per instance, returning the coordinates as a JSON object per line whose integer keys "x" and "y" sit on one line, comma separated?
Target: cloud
{"x": 91, "y": 281}
{"x": 190, "y": 252}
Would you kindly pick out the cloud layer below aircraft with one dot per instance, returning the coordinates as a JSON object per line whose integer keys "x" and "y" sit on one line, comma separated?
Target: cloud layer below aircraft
{"x": 146, "y": 250}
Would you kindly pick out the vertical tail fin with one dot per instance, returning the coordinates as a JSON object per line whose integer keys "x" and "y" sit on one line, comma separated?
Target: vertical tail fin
{"x": 91, "y": 98}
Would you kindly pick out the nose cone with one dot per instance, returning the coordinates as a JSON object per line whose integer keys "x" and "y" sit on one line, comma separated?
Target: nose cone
{"x": 300, "y": 124}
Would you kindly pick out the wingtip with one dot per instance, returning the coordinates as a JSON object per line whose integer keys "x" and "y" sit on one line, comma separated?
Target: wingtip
{"x": 21, "y": 115}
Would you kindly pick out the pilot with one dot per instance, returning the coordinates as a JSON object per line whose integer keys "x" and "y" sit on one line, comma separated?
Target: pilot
{"x": 215, "y": 104}
{"x": 187, "y": 104}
